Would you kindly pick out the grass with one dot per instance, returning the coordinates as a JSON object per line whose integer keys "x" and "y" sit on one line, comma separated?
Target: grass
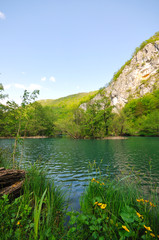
{"x": 114, "y": 209}
{"x": 37, "y": 214}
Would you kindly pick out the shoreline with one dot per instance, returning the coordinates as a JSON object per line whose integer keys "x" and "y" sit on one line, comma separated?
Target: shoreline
{"x": 24, "y": 137}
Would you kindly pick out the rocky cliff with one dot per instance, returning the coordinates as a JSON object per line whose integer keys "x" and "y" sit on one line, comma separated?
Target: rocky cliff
{"x": 137, "y": 77}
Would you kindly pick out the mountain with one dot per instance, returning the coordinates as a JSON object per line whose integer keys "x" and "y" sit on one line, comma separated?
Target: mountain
{"x": 138, "y": 76}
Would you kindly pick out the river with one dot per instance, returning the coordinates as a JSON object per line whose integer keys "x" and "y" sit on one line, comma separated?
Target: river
{"x": 67, "y": 160}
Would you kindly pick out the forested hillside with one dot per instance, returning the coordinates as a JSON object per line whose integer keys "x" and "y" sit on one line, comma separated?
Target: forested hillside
{"x": 128, "y": 106}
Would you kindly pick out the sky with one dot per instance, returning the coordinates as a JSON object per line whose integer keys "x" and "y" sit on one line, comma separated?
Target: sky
{"x": 63, "y": 47}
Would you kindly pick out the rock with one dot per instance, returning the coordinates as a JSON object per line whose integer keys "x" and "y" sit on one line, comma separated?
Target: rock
{"x": 139, "y": 77}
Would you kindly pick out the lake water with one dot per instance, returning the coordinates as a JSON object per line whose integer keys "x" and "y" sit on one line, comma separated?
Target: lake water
{"x": 67, "y": 160}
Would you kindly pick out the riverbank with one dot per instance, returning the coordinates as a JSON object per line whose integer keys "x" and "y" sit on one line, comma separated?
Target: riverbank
{"x": 109, "y": 209}
{"x": 36, "y": 137}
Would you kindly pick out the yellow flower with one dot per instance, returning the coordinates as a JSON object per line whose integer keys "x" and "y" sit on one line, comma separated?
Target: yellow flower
{"x": 100, "y": 204}
{"x": 138, "y": 200}
{"x": 139, "y": 215}
{"x": 93, "y": 180}
{"x": 103, "y": 206}
{"x": 147, "y": 201}
{"x": 126, "y": 229}
{"x": 152, "y": 205}
{"x": 153, "y": 235}
{"x": 148, "y": 228}
{"x": 95, "y": 203}
{"x": 97, "y": 182}
{"x": 18, "y": 223}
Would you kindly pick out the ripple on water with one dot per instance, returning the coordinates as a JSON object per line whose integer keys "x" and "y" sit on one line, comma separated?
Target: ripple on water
{"x": 67, "y": 161}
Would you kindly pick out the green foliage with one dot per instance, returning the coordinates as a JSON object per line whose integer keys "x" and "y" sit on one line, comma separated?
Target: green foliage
{"x": 152, "y": 39}
{"x": 29, "y": 119}
{"x": 117, "y": 74}
{"x": 37, "y": 213}
{"x": 138, "y": 117}
{"x": 92, "y": 123}
{"x": 114, "y": 210}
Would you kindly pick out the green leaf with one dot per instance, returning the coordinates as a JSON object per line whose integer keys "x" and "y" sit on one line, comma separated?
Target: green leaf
{"x": 101, "y": 238}
{"x": 128, "y": 214}
{"x": 95, "y": 235}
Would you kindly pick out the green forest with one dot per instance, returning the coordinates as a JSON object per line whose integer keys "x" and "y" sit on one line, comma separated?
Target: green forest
{"x": 51, "y": 118}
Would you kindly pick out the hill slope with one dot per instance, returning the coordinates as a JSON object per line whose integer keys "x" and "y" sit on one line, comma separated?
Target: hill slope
{"x": 138, "y": 76}
{"x": 63, "y": 107}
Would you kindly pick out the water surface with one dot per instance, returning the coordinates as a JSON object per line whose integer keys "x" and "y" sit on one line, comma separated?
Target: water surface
{"x": 67, "y": 160}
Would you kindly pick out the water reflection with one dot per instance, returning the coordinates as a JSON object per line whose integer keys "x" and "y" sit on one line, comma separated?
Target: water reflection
{"x": 67, "y": 160}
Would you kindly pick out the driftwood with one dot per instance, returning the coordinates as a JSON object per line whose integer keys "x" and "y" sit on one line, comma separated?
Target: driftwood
{"x": 14, "y": 189}
{"x": 11, "y": 181}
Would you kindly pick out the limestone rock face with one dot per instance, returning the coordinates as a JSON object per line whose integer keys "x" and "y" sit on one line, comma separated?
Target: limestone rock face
{"x": 139, "y": 77}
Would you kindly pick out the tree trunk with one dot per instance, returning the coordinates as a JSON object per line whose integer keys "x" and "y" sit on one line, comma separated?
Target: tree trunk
{"x": 11, "y": 181}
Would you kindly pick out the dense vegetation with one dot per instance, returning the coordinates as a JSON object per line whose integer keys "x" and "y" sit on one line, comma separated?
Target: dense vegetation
{"x": 65, "y": 117}
{"x": 115, "y": 209}
{"x": 139, "y": 116}
{"x": 29, "y": 119}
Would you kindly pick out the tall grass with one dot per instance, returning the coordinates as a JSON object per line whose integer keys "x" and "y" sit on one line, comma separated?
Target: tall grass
{"x": 38, "y": 213}
{"x": 116, "y": 209}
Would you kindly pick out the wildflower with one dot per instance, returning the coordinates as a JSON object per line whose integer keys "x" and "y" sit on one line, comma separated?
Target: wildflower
{"x": 138, "y": 200}
{"x": 148, "y": 228}
{"x": 152, "y": 235}
{"x": 152, "y": 205}
{"x": 95, "y": 203}
{"x": 146, "y": 201}
{"x": 126, "y": 229}
{"x": 100, "y": 204}
{"x": 103, "y": 206}
{"x": 139, "y": 215}
{"x": 18, "y": 223}
{"x": 97, "y": 182}
{"x": 93, "y": 180}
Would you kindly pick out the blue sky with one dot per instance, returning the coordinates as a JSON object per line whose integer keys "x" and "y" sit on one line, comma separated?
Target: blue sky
{"x": 62, "y": 47}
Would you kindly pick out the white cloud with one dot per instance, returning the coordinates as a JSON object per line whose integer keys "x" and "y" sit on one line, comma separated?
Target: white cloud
{"x": 21, "y": 86}
{"x": 52, "y": 79}
{"x": 23, "y": 73}
{"x": 7, "y": 86}
{"x": 43, "y": 79}
{"x": 33, "y": 87}
{"x": 2, "y": 15}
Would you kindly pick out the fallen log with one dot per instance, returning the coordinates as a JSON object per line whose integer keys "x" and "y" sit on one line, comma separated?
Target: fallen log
{"x": 2, "y": 168}
{"x": 11, "y": 181}
{"x": 10, "y": 176}
{"x": 14, "y": 189}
